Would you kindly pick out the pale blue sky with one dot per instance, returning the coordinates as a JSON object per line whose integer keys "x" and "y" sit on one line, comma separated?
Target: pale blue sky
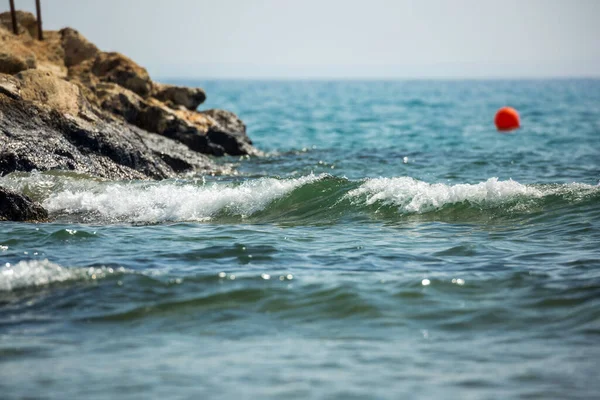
{"x": 340, "y": 38}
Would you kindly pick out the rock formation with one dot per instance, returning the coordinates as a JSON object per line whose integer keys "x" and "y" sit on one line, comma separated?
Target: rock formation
{"x": 65, "y": 77}
{"x": 76, "y": 48}
{"x": 65, "y": 104}
{"x": 18, "y": 207}
{"x": 46, "y": 123}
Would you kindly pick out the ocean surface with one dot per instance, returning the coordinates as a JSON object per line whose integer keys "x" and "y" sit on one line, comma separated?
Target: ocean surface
{"x": 389, "y": 244}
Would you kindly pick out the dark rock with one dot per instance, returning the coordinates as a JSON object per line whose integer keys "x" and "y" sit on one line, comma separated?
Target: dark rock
{"x": 156, "y": 118}
{"x": 229, "y": 133}
{"x": 229, "y": 143}
{"x": 152, "y": 117}
{"x": 179, "y": 156}
{"x": 18, "y": 207}
{"x": 116, "y": 68}
{"x": 34, "y": 137}
{"x": 199, "y": 131}
{"x": 119, "y": 101}
{"x": 175, "y": 96}
{"x": 227, "y": 120}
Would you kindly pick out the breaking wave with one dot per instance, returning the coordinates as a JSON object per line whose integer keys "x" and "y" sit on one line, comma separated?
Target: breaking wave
{"x": 308, "y": 199}
{"x": 414, "y": 196}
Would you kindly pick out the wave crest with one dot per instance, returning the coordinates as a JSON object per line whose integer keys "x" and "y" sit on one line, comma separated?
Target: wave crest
{"x": 310, "y": 199}
{"x": 414, "y": 196}
{"x": 151, "y": 203}
{"x": 35, "y": 273}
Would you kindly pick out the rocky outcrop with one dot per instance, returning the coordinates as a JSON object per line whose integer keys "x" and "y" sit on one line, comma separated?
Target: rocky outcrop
{"x": 171, "y": 117}
{"x": 18, "y": 207}
{"x": 64, "y": 104}
{"x": 226, "y": 120}
{"x": 215, "y": 132}
{"x": 176, "y": 96}
{"x": 44, "y": 129}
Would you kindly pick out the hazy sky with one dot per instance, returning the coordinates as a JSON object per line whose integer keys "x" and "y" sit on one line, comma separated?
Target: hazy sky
{"x": 340, "y": 38}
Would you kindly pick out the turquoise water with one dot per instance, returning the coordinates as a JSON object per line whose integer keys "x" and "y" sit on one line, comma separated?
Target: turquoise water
{"x": 390, "y": 244}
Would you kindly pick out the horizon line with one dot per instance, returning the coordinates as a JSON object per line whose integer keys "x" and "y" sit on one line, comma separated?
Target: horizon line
{"x": 381, "y": 79}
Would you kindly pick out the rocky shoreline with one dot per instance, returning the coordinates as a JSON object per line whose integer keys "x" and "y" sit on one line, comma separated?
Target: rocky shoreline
{"x": 66, "y": 105}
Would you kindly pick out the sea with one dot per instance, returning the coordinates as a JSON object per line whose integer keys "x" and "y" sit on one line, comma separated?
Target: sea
{"x": 389, "y": 244}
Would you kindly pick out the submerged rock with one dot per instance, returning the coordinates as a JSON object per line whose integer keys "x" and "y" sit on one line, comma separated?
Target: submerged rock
{"x": 18, "y": 207}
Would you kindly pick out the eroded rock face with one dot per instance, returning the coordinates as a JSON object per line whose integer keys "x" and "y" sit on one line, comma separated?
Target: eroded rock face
{"x": 35, "y": 137}
{"x": 215, "y": 132}
{"x": 17, "y": 207}
{"x": 47, "y": 90}
{"x": 15, "y": 56}
{"x": 151, "y": 116}
{"x": 116, "y": 68}
{"x": 76, "y": 47}
{"x": 175, "y": 96}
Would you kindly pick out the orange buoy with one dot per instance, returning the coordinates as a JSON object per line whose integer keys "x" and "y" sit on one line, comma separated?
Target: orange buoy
{"x": 507, "y": 119}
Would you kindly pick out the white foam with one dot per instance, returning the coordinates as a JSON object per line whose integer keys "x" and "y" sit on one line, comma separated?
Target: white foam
{"x": 159, "y": 202}
{"x": 414, "y": 196}
{"x": 34, "y": 273}
{"x": 40, "y": 185}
